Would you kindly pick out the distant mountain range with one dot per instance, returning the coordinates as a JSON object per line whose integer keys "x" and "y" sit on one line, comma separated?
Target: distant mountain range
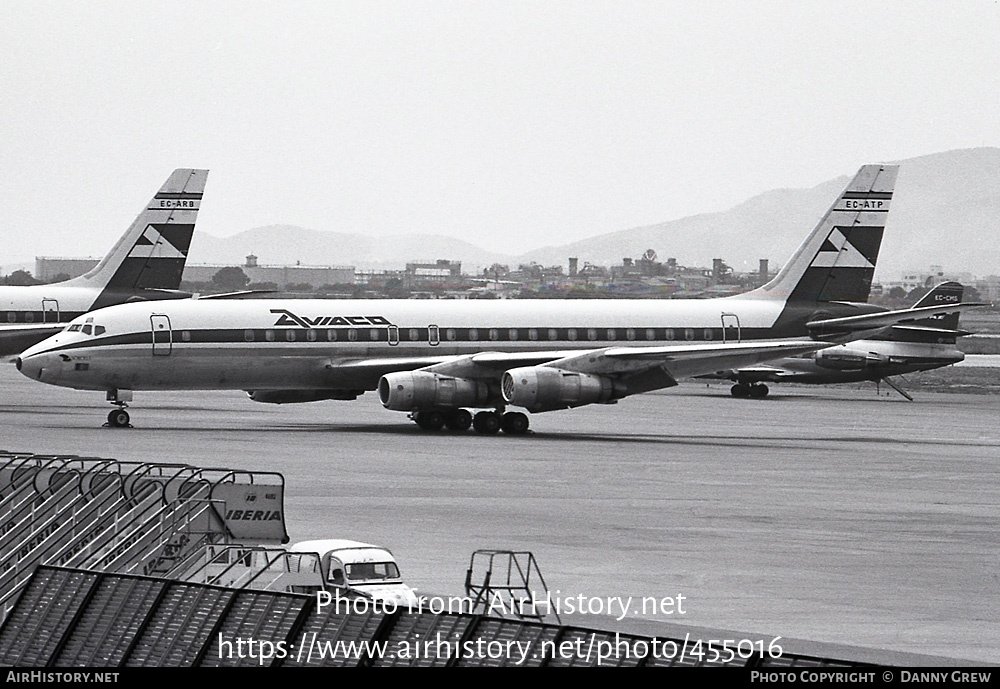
{"x": 945, "y": 212}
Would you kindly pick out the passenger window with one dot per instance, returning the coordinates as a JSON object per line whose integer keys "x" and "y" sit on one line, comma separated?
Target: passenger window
{"x": 571, "y": 334}
{"x": 450, "y": 334}
{"x": 611, "y": 334}
{"x": 591, "y": 333}
{"x": 29, "y": 317}
{"x": 185, "y": 334}
{"x": 248, "y": 335}
{"x": 688, "y": 334}
{"x": 373, "y": 334}
{"x": 553, "y": 334}
{"x": 290, "y": 335}
{"x": 414, "y": 334}
{"x": 707, "y": 334}
{"x": 532, "y": 334}
{"x": 311, "y": 335}
{"x": 669, "y": 333}
{"x": 512, "y": 333}
{"x": 331, "y": 335}
{"x": 630, "y": 334}
{"x": 269, "y": 335}
{"x": 494, "y": 334}
{"x": 650, "y": 334}
{"x": 473, "y": 335}
{"x": 352, "y": 335}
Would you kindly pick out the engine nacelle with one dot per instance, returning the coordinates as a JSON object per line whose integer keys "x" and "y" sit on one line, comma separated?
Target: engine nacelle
{"x": 422, "y": 390}
{"x": 843, "y": 358}
{"x": 543, "y": 388}
{"x": 298, "y": 396}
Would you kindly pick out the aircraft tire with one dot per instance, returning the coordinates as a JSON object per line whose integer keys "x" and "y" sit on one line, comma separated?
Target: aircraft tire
{"x": 758, "y": 392}
{"x": 430, "y": 420}
{"x": 486, "y": 422}
{"x": 458, "y": 420}
{"x": 514, "y": 423}
{"x": 118, "y": 418}
{"x": 740, "y": 390}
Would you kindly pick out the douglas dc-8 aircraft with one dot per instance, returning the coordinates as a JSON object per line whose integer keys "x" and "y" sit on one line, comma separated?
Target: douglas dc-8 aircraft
{"x": 921, "y": 345}
{"x": 435, "y": 359}
{"x": 145, "y": 263}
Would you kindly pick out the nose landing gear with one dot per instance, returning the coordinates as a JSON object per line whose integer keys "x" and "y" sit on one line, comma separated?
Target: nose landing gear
{"x": 119, "y": 418}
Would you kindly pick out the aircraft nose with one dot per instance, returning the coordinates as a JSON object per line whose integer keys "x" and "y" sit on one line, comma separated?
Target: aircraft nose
{"x": 31, "y": 366}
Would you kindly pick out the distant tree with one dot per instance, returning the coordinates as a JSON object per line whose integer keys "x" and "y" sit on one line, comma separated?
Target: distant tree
{"x": 194, "y": 286}
{"x": 298, "y": 287}
{"x": 263, "y": 286}
{"x": 230, "y": 279}
{"x": 21, "y": 278}
{"x": 897, "y": 292}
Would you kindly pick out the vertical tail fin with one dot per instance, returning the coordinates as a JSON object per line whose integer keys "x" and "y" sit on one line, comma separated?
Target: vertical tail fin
{"x": 152, "y": 253}
{"x": 837, "y": 261}
{"x": 939, "y": 329}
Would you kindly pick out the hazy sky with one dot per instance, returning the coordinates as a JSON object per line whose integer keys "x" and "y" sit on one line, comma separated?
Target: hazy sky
{"x": 513, "y": 125}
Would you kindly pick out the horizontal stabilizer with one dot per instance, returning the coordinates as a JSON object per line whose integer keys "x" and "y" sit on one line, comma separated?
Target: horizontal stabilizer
{"x": 237, "y": 295}
{"x": 883, "y": 319}
{"x": 922, "y": 329}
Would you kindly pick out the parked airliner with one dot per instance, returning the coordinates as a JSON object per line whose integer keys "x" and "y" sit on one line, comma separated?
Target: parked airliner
{"x": 436, "y": 359}
{"x": 922, "y": 345}
{"x": 145, "y": 263}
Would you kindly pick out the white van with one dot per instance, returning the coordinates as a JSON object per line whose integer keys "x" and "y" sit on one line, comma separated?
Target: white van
{"x": 361, "y": 567}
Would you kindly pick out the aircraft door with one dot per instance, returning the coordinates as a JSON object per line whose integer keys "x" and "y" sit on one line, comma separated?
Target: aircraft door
{"x": 730, "y": 327}
{"x": 162, "y": 335}
{"x": 50, "y": 311}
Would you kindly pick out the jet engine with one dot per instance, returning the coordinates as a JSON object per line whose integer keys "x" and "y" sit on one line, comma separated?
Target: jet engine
{"x": 296, "y": 396}
{"x": 543, "y": 388}
{"x": 843, "y": 358}
{"x": 422, "y": 390}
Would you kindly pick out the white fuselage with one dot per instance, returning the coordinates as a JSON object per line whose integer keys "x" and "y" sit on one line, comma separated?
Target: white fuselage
{"x": 338, "y": 344}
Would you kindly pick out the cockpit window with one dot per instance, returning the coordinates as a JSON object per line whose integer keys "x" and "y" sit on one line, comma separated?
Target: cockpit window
{"x": 86, "y": 329}
{"x": 99, "y": 329}
{"x": 372, "y": 571}
{"x": 73, "y": 328}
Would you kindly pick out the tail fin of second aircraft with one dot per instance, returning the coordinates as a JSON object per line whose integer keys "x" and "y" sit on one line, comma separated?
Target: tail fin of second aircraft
{"x": 941, "y": 329}
{"x": 837, "y": 261}
{"x": 152, "y": 253}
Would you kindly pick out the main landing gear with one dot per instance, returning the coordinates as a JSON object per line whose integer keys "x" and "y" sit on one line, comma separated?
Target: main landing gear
{"x": 484, "y": 422}
{"x": 755, "y": 391}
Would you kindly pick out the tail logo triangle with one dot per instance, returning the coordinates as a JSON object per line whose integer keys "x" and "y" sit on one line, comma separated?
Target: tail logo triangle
{"x": 838, "y": 252}
{"x": 152, "y": 244}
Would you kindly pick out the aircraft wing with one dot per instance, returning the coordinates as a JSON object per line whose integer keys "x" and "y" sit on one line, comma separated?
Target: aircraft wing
{"x": 480, "y": 366}
{"x": 646, "y": 368}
